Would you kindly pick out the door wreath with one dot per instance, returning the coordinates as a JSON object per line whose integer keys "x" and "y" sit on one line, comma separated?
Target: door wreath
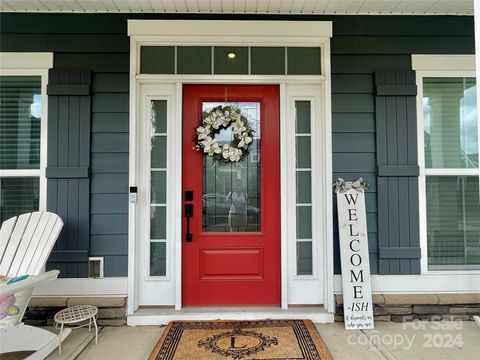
{"x": 220, "y": 118}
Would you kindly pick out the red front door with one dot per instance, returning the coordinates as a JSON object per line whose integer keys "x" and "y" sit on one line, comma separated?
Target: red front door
{"x": 233, "y": 257}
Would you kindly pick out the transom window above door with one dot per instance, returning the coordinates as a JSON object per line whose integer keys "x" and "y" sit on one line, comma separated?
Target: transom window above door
{"x": 241, "y": 60}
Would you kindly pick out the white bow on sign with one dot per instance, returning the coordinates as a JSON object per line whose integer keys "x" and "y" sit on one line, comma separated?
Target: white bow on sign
{"x": 341, "y": 185}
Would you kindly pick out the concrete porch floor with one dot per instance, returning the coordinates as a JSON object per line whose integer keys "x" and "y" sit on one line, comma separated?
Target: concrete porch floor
{"x": 419, "y": 340}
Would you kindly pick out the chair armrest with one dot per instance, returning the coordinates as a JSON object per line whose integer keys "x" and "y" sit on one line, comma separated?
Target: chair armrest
{"x": 30, "y": 282}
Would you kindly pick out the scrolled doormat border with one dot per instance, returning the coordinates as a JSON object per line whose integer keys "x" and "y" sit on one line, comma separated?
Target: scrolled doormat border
{"x": 309, "y": 340}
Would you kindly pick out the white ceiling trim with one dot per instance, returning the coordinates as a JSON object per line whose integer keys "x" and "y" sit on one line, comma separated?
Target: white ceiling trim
{"x": 189, "y": 29}
{"x": 300, "y": 7}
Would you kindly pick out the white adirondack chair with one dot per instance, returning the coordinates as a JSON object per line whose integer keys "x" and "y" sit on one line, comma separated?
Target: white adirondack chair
{"x": 25, "y": 244}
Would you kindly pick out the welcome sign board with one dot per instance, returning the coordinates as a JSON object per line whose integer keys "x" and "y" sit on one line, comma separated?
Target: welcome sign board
{"x": 352, "y": 228}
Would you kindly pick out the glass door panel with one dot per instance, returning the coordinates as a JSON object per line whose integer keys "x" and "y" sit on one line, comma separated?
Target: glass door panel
{"x": 232, "y": 192}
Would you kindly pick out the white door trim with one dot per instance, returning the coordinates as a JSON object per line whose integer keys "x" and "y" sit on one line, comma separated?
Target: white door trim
{"x": 264, "y": 36}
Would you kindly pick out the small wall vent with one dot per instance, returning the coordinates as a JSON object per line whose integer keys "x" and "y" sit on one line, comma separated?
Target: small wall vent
{"x": 95, "y": 267}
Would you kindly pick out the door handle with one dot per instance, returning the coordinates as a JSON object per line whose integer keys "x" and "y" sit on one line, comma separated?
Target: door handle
{"x": 188, "y": 215}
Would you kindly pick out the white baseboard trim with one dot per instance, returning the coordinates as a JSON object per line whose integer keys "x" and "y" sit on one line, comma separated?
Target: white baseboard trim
{"x": 164, "y": 316}
{"x": 420, "y": 284}
{"x": 113, "y": 286}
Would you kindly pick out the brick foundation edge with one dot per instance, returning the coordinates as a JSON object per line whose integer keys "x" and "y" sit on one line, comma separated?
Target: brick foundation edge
{"x": 410, "y": 307}
{"x": 387, "y": 307}
{"x": 41, "y": 310}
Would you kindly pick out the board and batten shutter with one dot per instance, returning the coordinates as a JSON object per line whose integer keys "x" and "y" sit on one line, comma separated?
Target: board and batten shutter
{"x": 68, "y": 167}
{"x": 397, "y": 172}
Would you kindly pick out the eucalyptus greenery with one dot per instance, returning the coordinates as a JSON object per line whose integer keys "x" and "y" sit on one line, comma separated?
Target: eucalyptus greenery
{"x": 341, "y": 185}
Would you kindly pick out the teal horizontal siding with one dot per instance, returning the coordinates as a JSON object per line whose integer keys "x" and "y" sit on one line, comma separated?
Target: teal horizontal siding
{"x": 110, "y": 102}
{"x": 109, "y": 183}
{"x": 110, "y": 83}
{"x": 353, "y": 162}
{"x": 368, "y": 45}
{"x": 392, "y": 26}
{"x": 109, "y": 163}
{"x": 360, "y": 46}
{"x": 88, "y": 43}
{"x": 115, "y": 265}
{"x": 112, "y": 122}
{"x": 23, "y": 42}
{"x": 353, "y": 83}
{"x": 109, "y": 204}
{"x": 368, "y": 64}
{"x": 109, "y": 142}
{"x": 353, "y": 122}
{"x": 344, "y": 142}
{"x": 353, "y": 103}
{"x": 104, "y": 245}
{"x": 115, "y": 63}
{"x": 109, "y": 224}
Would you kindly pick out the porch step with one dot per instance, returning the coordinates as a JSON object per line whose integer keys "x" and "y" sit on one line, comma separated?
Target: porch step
{"x": 161, "y": 316}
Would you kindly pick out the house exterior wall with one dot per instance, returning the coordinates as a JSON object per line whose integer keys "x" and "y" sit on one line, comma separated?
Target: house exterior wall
{"x": 361, "y": 45}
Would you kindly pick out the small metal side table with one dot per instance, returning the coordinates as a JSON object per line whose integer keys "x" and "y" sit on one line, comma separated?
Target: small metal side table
{"x": 74, "y": 315}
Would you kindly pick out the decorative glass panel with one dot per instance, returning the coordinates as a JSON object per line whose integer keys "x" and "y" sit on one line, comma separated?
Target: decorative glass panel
{"x": 304, "y": 258}
{"x": 157, "y": 59}
{"x": 267, "y": 60}
{"x": 450, "y": 123}
{"x": 261, "y": 60}
{"x": 159, "y": 152}
{"x": 304, "y": 61}
{"x": 231, "y": 192}
{"x": 194, "y": 60}
{"x": 304, "y": 187}
{"x": 158, "y": 187}
{"x": 304, "y": 222}
{"x": 303, "y": 117}
{"x": 158, "y": 222}
{"x": 304, "y": 152}
{"x": 453, "y": 222}
{"x": 20, "y": 116}
{"x": 226, "y": 63}
{"x": 18, "y": 196}
{"x": 158, "y": 258}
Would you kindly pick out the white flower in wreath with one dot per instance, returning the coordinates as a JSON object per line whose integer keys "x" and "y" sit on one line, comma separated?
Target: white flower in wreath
{"x": 231, "y": 153}
{"x": 210, "y": 146}
{"x": 238, "y": 127}
{"x": 207, "y": 121}
{"x": 225, "y": 121}
{"x": 217, "y": 123}
{"x": 237, "y": 155}
{"x": 202, "y": 132}
{"x": 245, "y": 140}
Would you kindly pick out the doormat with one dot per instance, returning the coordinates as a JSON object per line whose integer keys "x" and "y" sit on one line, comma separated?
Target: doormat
{"x": 263, "y": 339}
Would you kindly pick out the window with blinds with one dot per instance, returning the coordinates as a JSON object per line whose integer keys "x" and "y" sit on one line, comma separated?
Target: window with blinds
{"x": 451, "y": 170}
{"x": 20, "y": 126}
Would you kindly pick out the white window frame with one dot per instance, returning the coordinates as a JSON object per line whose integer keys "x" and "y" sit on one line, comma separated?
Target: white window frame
{"x": 155, "y": 289}
{"x": 437, "y": 66}
{"x": 31, "y": 64}
{"x": 300, "y": 287}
